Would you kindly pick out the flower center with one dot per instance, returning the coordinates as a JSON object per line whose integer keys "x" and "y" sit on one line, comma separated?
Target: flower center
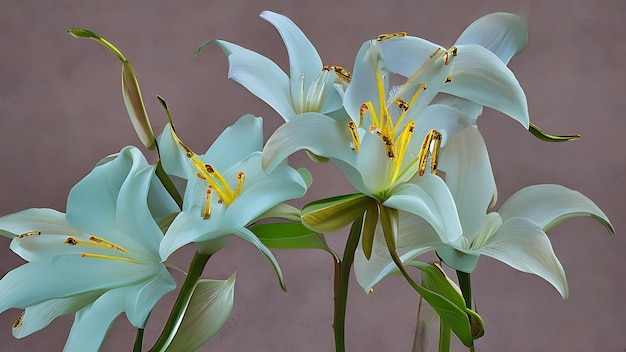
{"x": 215, "y": 181}
{"x": 395, "y": 135}
{"x": 312, "y": 98}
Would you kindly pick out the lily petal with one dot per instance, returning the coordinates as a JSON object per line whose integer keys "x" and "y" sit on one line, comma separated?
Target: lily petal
{"x": 260, "y": 76}
{"x": 480, "y": 76}
{"x": 522, "y": 244}
{"x": 429, "y": 197}
{"x": 304, "y": 62}
{"x": 315, "y": 132}
{"x": 549, "y": 205}
{"x": 405, "y": 55}
{"x": 469, "y": 177}
{"x": 39, "y": 316}
{"x": 36, "y": 219}
{"x": 140, "y": 299}
{"x": 93, "y": 322}
{"x": 504, "y": 34}
{"x": 236, "y": 142}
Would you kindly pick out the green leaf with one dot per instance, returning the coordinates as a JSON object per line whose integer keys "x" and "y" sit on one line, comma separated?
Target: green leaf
{"x": 369, "y": 229}
{"x": 446, "y": 299}
{"x": 537, "y": 132}
{"x": 209, "y": 309}
{"x": 286, "y": 235}
{"x": 331, "y": 214}
{"x": 82, "y": 33}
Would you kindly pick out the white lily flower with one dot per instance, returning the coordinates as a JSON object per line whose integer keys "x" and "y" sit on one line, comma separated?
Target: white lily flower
{"x": 311, "y": 86}
{"x": 226, "y": 188}
{"x": 515, "y": 235}
{"x": 99, "y": 259}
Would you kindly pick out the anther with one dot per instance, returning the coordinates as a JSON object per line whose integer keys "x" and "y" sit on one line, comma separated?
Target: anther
{"x": 402, "y": 104}
{"x": 30, "y": 233}
{"x": 354, "y": 133}
{"x": 18, "y": 321}
{"x": 435, "y": 52}
{"x": 206, "y": 213}
{"x": 390, "y": 35}
{"x": 448, "y": 79}
{"x": 71, "y": 241}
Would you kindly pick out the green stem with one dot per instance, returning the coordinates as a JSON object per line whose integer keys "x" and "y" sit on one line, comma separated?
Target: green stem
{"x": 182, "y": 301}
{"x": 445, "y": 334}
{"x": 138, "y": 341}
{"x": 342, "y": 276}
{"x": 466, "y": 287}
{"x": 168, "y": 184}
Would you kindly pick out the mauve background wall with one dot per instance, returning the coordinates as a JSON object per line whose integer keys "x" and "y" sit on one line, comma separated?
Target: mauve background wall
{"x": 61, "y": 111}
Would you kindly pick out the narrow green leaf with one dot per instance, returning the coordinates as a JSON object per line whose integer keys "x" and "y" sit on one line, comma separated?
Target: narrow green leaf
{"x": 82, "y": 33}
{"x": 287, "y": 235}
{"x": 331, "y": 214}
{"x": 209, "y": 309}
{"x": 537, "y": 132}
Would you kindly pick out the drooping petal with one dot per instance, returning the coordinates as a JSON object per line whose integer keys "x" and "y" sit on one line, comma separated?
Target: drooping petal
{"x": 504, "y": 34}
{"x": 317, "y": 133}
{"x": 141, "y": 298}
{"x": 189, "y": 227}
{"x": 93, "y": 322}
{"x": 429, "y": 197}
{"x": 521, "y": 244}
{"x": 480, "y": 76}
{"x": 241, "y": 139}
{"x": 260, "y": 76}
{"x": 549, "y": 205}
{"x": 443, "y": 118}
{"x": 304, "y": 62}
{"x": 469, "y": 177}
{"x": 39, "y": 316}
{"x": 415, "y": 237}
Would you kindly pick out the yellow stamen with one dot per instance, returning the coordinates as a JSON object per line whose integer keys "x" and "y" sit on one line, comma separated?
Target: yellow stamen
{"x": 354, "y": 133}
{"x": 402, "y": 144}
{"x": 385, "y": 36}
{"x": 30, "y": 233}
{"x": 340, "y": 71}
{"x": 111, "y": 257}
{"x": 241, "y": 178}
{"x": 431, "y": 145}
{"x": 95, "y": 242}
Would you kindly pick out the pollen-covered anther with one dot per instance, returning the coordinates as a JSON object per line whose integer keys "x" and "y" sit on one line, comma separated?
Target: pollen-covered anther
{"x": 386, "y": 36}
{"x": 241, "y": 178}
{"x": 30, "y": 233}
{"x": 435, "y": 52}
{"x": 430, "y": 146}
{"x": 446, "y": 56}
{"x": 340, "y": 71}
{"x": 389, "y": 146}
{"x": 402, "y": 104}
{"x": 354, "y": 133}
{"x": 105, "y": 243}
{"x": 206, "y": 212}
{"x": 18, "y": 321}
{"x": 448, "y": 79}
{"x": 71, "y": 241}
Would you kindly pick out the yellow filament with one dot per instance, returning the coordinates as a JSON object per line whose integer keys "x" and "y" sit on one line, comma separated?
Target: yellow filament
{"x": 110, "y": 257}
{"x": 402, "y": 143}
{"x": 241, "y": 178}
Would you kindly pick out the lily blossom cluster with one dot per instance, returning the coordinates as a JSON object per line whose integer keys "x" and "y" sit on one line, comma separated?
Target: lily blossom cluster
{"x": 412, "y": 151}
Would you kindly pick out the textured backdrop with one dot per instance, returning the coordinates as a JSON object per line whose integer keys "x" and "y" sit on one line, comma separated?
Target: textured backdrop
{"x": 61, "y": 111}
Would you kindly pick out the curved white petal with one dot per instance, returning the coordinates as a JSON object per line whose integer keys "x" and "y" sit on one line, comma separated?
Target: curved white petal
{"x": 189, "y": 227}
{"x": 415, "y": 236}
{"x": 237, "y": 141}
{"x": 480, "y": 76}
{"x": 457, "y": 258}
{"x": 429, "y": 197}
{"x": 364, "y": 85}
{"x": 549, "y": 205}
{"x": 44, "y": 246}
{"x": 284, "y": 183}
{"x": 374, "y": 165}
{"x": 504, "y": 34}
{"x": 521, "y": 244}
{"x": 141, "y": 298}
{"x": 443, "y": 118}
{"x": 173, "y": 155}
{"x": 469, "y": 177}
{"x": 317, "y": 133}
{"x": 260, "y": 76}
{"x": 404, "y": 55}
{"x": 93, "y": 322}
{"x": 63, "y": 276}
{"x": 304, "y": 62}
{"x": 36, "y": 219}
{"x": 39, "y": 316}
